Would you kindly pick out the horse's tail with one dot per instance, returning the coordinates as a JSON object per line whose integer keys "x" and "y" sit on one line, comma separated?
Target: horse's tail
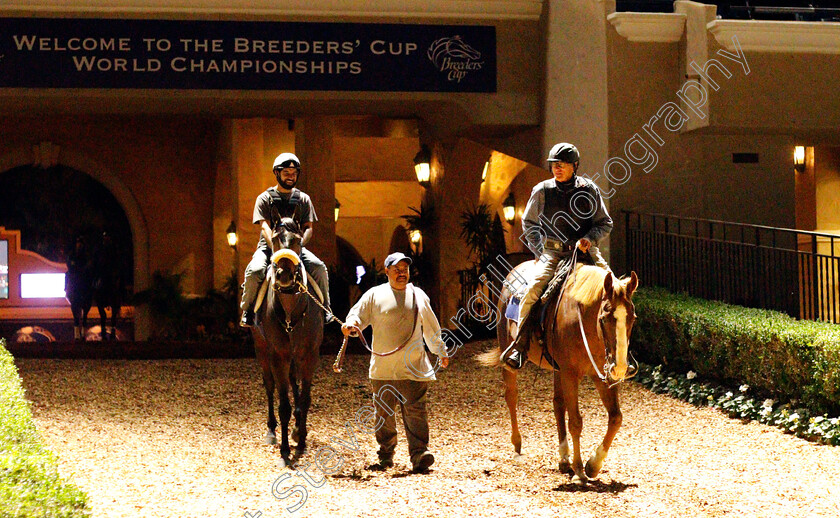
{"x": 490, "y": 358}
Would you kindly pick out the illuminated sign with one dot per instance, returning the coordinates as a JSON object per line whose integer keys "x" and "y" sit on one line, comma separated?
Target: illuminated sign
{"x": 4, "y": 269}
{"x": 230, "y": 55}
{"x": 42, "y": 285}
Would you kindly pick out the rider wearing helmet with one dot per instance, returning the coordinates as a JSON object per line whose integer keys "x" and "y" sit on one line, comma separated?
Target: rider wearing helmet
{"x": 563, "y": 213}
{"x": 282, "y": 201}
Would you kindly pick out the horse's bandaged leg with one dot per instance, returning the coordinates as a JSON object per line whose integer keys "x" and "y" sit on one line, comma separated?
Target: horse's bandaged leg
{"x": 260, "y": 295}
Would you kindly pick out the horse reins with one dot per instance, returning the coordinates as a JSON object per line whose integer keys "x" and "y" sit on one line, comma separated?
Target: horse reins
{"x": 340, "y": 357}
{"x": 601, "y": 376}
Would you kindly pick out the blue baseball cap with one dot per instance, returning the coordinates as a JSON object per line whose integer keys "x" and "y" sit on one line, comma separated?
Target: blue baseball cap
{"x": 395, "y": 258}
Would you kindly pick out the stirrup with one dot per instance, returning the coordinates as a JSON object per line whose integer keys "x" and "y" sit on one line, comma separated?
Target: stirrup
{"x": 247, "y": 319}
{"x": 513, "y": 358}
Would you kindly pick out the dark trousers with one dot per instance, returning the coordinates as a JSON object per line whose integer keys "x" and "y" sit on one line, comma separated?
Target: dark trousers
{"x": 411, "y": 396}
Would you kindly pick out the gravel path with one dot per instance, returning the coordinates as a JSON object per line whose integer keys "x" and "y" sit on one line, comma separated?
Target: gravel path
{"x": 182, "y": 438}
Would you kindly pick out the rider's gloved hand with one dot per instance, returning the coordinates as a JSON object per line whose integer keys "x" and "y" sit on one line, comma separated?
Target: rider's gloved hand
{"x": 583, "y": 244}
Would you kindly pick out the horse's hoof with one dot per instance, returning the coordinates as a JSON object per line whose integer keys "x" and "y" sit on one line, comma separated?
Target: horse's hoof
{"x": 270, "y": 438}
{"x": 282, "y": 463}
{"x": 565, "y": 467}
{"x": 595, "y": 462}
{"x": 581, "y": 481}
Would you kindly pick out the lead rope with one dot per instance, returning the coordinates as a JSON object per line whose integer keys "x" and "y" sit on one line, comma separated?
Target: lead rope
{"x": 358, "y": 332}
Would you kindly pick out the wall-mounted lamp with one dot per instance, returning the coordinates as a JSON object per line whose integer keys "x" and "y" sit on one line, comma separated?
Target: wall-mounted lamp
{"x": 799, "y": 159}
{"x": 509, "y": 208}
{"x": 416, "y": 238}
{"x": 337, "y": 206}
{"x": 484, "y": 173}
{"x": 232, "y": 237}
{"x": 421, "y": 165}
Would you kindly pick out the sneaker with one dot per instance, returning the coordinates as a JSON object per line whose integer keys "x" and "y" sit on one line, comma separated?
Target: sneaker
{"x": 423, "y": 463}
{"x": 382, "y": 465}
{"x": 247, "y": 319}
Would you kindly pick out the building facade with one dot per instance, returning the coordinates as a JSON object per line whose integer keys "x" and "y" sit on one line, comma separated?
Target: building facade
{"x": 179, "y": 107}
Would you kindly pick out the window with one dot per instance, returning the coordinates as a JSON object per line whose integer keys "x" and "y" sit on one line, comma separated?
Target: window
{"x": 4, "y": 269}
{"x": 42, "y": 285}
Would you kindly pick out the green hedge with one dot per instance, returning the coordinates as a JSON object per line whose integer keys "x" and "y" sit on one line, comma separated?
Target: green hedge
{"x": 776, "y": 355}
{"x": 29, "y": 482}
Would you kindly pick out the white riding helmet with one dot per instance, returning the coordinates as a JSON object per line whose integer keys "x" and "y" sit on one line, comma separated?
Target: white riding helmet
{"x": 285, "y": 160}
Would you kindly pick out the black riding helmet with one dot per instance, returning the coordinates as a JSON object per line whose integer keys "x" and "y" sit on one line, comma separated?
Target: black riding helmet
{"x": 564, "y": 152}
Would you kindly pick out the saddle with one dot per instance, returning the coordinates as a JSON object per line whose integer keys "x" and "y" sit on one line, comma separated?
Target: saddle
{"x": 308, "y": 282}
{"x": 554, "y": 290}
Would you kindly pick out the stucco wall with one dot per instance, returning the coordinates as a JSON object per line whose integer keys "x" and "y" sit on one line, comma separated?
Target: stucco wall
{"x": 695, "y": 174}
{"x": 168, "y": 166}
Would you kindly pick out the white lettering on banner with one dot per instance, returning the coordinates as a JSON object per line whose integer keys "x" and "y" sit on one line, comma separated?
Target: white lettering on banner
{"x": 91, "y": 63}
{"x": 162, "y": 44}
{"x": 247, "y": 45}
{"x": 201, "y": 45}
{"x": 379, "y": 47}
{"x": 32, "y": 42}
{"x": 242, "y": 66}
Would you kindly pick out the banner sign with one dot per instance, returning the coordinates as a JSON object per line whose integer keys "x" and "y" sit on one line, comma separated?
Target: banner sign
{"x": 176, "y": 54}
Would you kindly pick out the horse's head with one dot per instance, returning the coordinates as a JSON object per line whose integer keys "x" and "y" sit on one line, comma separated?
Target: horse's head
{"x": 286, "y": 242}
{"x": 615, "y": 323}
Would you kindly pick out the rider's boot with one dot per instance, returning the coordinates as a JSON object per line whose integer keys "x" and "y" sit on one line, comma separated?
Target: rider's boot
{"x": 517, "y": 352}
{"x": 250, "y": 288}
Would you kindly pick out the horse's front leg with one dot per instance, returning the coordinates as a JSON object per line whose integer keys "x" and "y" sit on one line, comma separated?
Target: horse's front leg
{"x": 569, "y": 384}
{"x": 83, "y": 310}
{"x": 268, "y": 384}
{"x": 285, "y": 410}
{"x": 511, "y": 397}
{"x": 560, "y": 416}
{"x": 115, "y": 311}
{"x": 302, "y": 404}
{"x": 103, "y": 320}
{"x": 296, "y": 397}
{"x": 609, "y": 396}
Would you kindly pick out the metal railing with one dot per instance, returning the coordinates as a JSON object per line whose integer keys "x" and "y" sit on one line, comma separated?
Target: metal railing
{"x": 794, "y": 10}
{"x": 793, "y": 271}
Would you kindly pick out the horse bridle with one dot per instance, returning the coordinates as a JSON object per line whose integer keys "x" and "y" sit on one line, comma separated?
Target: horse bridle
{"x": 292, "y": 289}
{"x": 609, "y": 358}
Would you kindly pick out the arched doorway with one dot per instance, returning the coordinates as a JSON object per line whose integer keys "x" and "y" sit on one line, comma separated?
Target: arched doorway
{"x": 53, "y": 206}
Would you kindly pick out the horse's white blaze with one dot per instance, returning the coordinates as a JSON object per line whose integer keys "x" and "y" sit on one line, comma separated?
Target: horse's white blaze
{"x": 621, "y": 345}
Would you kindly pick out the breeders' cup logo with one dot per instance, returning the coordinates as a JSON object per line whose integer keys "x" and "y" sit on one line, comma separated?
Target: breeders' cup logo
{"x": 454, "y": 57}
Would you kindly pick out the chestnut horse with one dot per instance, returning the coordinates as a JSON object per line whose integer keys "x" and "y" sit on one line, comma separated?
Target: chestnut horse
{"x": 597, "y": 303}
{"x": 287, "y": 338}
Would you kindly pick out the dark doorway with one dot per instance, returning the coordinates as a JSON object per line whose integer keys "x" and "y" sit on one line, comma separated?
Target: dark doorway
{"x": 51, "y": 207}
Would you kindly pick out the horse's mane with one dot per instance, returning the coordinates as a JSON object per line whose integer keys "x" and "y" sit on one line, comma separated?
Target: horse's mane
{"x": 587, "y": 286}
